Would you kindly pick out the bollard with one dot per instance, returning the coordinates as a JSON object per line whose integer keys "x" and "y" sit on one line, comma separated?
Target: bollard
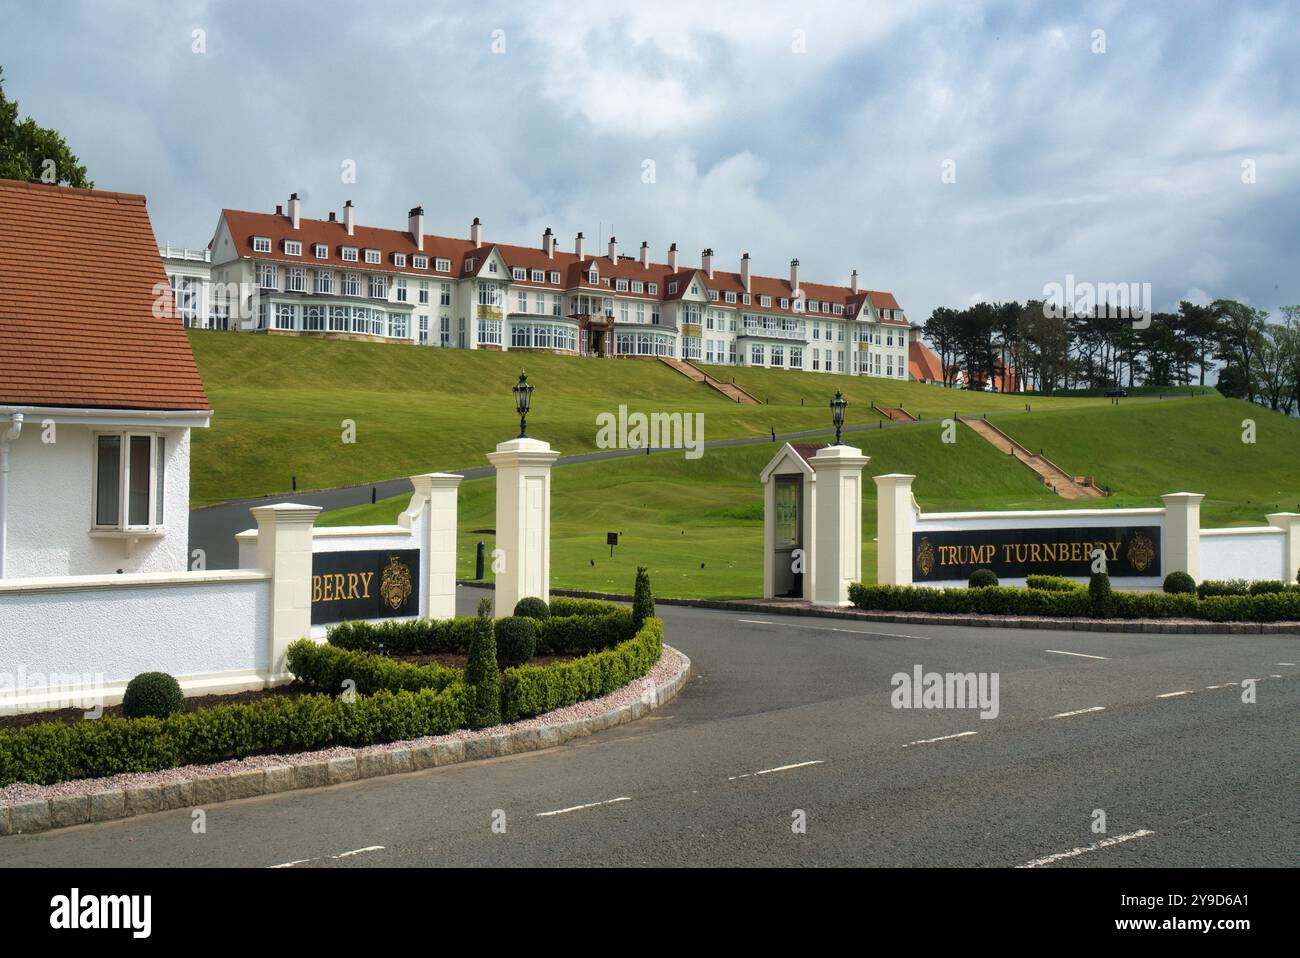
{"x": 293, "y": 482}
{"x": 373, "y": 495}
{"x": 478, "y": 560}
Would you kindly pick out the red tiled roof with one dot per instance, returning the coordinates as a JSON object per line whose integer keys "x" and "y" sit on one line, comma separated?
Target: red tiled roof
{"x": 923, "y": 364}
{"x": 79, "y": 279}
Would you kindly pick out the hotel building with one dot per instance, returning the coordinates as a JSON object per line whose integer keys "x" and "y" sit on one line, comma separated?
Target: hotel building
{"x": 281, "y": 273}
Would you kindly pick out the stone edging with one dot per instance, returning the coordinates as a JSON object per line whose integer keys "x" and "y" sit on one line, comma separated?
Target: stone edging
{"x": 1156, "y": 626}
{"x": 62, "y": 811}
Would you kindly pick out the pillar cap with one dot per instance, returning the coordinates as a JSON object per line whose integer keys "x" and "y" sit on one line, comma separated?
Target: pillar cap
{"x": 1183, "y": 496}
{"x": 436, "y": 480}
{"x": 892, "y": 477}
{"x": 285, "y": 513}
{"x": 530, "y": 452}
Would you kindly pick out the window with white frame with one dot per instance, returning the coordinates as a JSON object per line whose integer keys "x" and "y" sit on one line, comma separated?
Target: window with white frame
{"x": 556, "y": 305}
{"x": 523, "y": 302}
{"x": 420, "y": 262}
{"x": 348, "y": 254}
{"x": 785, "y": 303}
{"x": 756, "y": 354}
{"x": 351, "y": 284}
{"x": 373, "y": 257}
{"x": 442, "y": 265}
{"x": 796, "y": 357}
{"x": 444, "y": 331}
{"x": 261, "y": 244}
{"x": 672, "y": 288}
{"x": 519, "y": 273}
{"x": 444, "y": 295}
{"x": 638, "y": 286}
{"x": 399, "y": 325}
{"x": 492, "y": 266}
{"x": 129, "y": 480}
{"x": 378, "y": 287}
{"x": 313, "y": 319}
{"x": 424, "y": 330}
{"x": 321, "y": 250}
{"x": 401, "y": 289}
{"x": 555, "y": 276}
{"x": 621, "y": 285}
{"x": 731, "y": 297}
{"x": 292, "y": 247}
{"x": 339, "y": 319}
{"x": 295, "y": 279}
{"x": 537, "y": 275}
{"x": 399, "y": 259}
{"x": 286, "y": 316}
{"x": 424, "y": 292}
{"x": 266, "y": 276}
{"x": 778, "y": 356}
{"x": 593, "y": 276}
{"x": 652, "y": 289}
{"x": 489, "y": 332}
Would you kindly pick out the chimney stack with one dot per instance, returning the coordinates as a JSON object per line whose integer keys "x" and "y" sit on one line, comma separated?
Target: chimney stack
{"x": 577, "y": 246}
{"x": 853, "y": 282}
{"x": 794, "y": 277}
{"x": 613, "y": 250}
{"x": 744, "y": 272}
{"x": 672, "y": 258}
{"x": 348, "y": 223}
{"x": 706, "y": 263}
{"x": 279, "y": 210}
{"x": 294, "y": 209}
{"x": 548, "y": 243}
{"x": 645, "y": 255}
{"x": 415, "y": 226}
{"x": 333, "y": 217}
{"x": 476, "y": 233}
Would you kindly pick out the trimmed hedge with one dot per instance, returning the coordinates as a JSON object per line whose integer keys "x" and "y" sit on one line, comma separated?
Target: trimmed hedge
{"x": 998, "y": 600}
{"x": 325, "y": 668}
{"x": 583, "y": 634}
{"x": 534, "y": 689}
{"x": 982, "y": 579}
{"x": 516, "y": 640}
{"x": 51, "y": 752}
{"x": 1053, "y": 583}
{"x": 411, "y": 637}
{"x": 564, "y": 605}
{"x": 532, "y": 607}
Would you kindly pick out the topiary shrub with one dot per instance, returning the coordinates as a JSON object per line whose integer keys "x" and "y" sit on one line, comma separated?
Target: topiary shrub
{"x": 643, "y": 600}
{"x": 1223, "y": 587}
{"x": 481, "y": 672}
{"x": 1100, "y": 593}
{"x": 1179, "y": 583}
{"x": 532, "y": 607}
{"x": 983, "y": 579}
{"x": 1267, "y": 586}
{"x": 516, "y": 640}
{"x": 154, "y": 694}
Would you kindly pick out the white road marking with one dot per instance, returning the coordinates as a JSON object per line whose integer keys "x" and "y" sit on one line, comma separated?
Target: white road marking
{"x": 823, "y": 628}
{"x": 941, "y": 738}
{"x": 779, "y": 768}
{"x": 1286, "y": 663}
{"x": 575, "y": 808}
{"x": 1081, "y": 655}
{"x": 1170, "y": 695}
{"x": 1095, "y": 708}
{"x": 1275, "y": 676}
{"x": 355, "y": 851}
{"x": 1076, "y": 852}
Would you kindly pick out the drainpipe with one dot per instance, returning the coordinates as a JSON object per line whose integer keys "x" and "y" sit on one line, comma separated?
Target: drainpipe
{"x": 8, "y": 436}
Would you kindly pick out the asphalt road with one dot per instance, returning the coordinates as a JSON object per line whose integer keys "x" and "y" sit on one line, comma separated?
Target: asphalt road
{"x": 789, "y": 714}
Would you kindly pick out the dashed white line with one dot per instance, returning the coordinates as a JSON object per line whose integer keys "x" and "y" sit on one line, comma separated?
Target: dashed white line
{"x": 1170, "y": 695}
{"x": 1286, "y": 663}
{"x": 1076, "y": 852}
{"x": 1095, "y": 708}
{"x": 779, "y": 768}
{"x": 823, "y": 628}
{"x": 941, "y": 738}
{"x": 355, "y": 851}
{"x": 575, "y": 808}
{"x": 358, "y": 851}
{"x": 1082, "y": 655}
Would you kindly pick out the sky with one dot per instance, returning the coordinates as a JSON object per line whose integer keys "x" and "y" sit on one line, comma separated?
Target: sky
{"x": 950, "y": 152}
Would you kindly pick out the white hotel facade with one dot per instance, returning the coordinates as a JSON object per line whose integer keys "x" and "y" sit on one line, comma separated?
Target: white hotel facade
{"x": 335, "y": 278}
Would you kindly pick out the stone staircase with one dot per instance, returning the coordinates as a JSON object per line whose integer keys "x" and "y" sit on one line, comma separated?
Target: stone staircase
{"x": 695, "y": 374}
{"x": 894, "y": 413}
{"x": 1053, "y": 476}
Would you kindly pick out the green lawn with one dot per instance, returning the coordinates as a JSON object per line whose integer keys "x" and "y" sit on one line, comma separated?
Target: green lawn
{"x": 280, "y": 403}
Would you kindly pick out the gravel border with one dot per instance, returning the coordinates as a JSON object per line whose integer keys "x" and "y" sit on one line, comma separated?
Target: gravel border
{"x": 26, "y": 808}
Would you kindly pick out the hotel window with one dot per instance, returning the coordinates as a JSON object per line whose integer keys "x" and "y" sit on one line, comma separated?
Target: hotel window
{"x": 713, "y": 294}
{"x": 785, "y": 303}
{"x": 593, "y": 276}
{"x": 444, "y": 295}
{"x": 778, "y": 355}
{"x": 690, "y": 347}
{"x": 708, "y": 350}
{"x": 839, "y": 361}
{"x": 796, "y": 357}
{"x": 889, "y": 337}
{"x": 285, "y": 316}
{"x": 744, "y": 300}
{"x": 489, "y": 332}
{"x": 691, "y": 313}
{"x": 621, "y": 285}
{"x": 812, "y": 305}
{"x": 378, "y": 287}
{"x": 654, "y": 314}
{"x": 321, "y": 250}
{"x": 640, "y": 313}
{"x": 424, "y": 330}
{"x": 295, "y": 280}
{"x": 444, "y": 331}
{"x": 837, "y": 309}
{"x": 708, "y": 320}
{"x": 324, "y": 281}
{"x": 889, "y": 365}
{"x": 731, "y": 353}
{"x": 672, "y": 288}
{"x": 129, "y": 480}
{"x": 537, "y": 276}
{"x": 424, "y": 292}
{"x": 556, "y": 305}
{"x": 492, "y": 266}
{"x": 442, "y": 265}
{"x": 313, "y": 319}
{"x": 292, "y": 247}
{"x": 338, "y": 319}
{"x": 372, "y": 257}
{"x": 261, "y": 244}
{"x": 266, "y": 276}
{"x": 765, "y": 301}
{"x": 555, "y": 277}
{"x": 401, "y": 290}
{"x": 519, "y": 273}
{"x": 731, "y": 297}
{"x": 351, "y": 284}
{"x": 523, "y": 302}
{"x": 420, "y": 262}
{"x": 622, "y": 312}
{"x": 816, "y": 360}
{"x": 638, "y": 286}
{"x": 817, "y": 330}
{"x": 756, "y": 354}
{"x": 399, "y": 325}
{"x": 839, "y": 333}
{"x": 652, "y": 289}
{"x": 348, "y": 254}
{"x": 399, "y": 259}
{"x": 489, "y": 294}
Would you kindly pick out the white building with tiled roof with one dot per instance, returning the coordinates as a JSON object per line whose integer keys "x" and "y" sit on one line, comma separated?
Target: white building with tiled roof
{"x": 334, "y": 277}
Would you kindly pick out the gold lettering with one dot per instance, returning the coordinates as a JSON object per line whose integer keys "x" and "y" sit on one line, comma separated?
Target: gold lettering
{"x": 365, "y": 584}
{"x": 352, "y": 585}
{"x": 1113, "y": 549}
{"x": 338, "y": 586}
{"x": 315, "y": 588}
{"x": 1035, "y": 552}
{"x": 1049, "y": 551}
{"x": 326, "y": 593}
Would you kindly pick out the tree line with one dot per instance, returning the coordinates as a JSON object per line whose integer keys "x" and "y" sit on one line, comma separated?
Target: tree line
{"x": 1043, "y": 350}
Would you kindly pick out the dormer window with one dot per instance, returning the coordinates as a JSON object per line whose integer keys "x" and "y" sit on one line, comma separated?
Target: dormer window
{"x": 812, "y": 305}
{"x": 765, "y": 301}
{"x": 652, "y": 289}
{"x": 785, "y": 303}
{"x": 672, "y": 288}
{"x": 372, "y": 257}
{"x": 621, "y": 286}
{"x": 837, "y": 309}
{"x": 420, "y": 262}
{"x": 292, "y": 247}
{"x": 321, "y": 250}
{"x": 399, "y": 259}
{"x": 555, "y": 277}
{"x": 519, "y": 273}
{"x": 442, "y": 265}
{"x": 638, "y": 286}
{"x": 349, "y": 254}
{"x": 744, "y": 300}
{"x": 538, "y": 276}
{"x": 470, "y": 264}
{"x": 695, "y": 289}
{"x": 261, "y": 244}
{"x": 731, "y": 297}
{"x": 593, "y": 276}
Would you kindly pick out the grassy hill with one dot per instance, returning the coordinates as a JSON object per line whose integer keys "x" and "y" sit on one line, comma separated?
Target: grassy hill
{"x": 280, "y": 403}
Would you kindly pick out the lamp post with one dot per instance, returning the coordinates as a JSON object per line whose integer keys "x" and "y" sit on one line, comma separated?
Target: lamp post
{"x": 523, "y": 399}
{"x": 837, "y": 414}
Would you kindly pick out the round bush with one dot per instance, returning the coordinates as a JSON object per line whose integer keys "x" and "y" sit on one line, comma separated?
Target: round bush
{"x": 516, "y": 640}
{"x": 1266, "y": 586}
{"x": 152, "y": 693}
{"x": 532, "y": 607}
{"x": 1179, "y": 583}
{"x": 983, "y": 578}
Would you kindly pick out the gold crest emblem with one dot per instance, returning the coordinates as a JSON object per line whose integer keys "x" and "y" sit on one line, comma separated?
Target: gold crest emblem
{"x": 1141, "y": 552}
{"x": 395, "y": 583}
{"x": 925, "y": 557}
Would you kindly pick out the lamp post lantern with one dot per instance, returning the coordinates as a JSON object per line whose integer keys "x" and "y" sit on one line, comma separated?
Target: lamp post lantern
{"x": 837, "y": 414}
{"x": 523, "y": 391}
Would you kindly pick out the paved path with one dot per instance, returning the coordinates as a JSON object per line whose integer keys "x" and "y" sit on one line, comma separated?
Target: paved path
{"x": 790, "y": 715}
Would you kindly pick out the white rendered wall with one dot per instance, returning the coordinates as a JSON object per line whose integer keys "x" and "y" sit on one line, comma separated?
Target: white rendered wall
{"x": 1243, "y": 554}
{"x": 51, "y": 503}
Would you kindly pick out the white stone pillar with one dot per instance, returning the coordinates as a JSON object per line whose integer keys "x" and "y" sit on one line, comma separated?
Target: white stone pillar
{"x": 1289, "y": 522}
{"x": 1183, "y": 533}
{"x": 894, "y": 521}
{"x": 434, "y": 501}
{"x": 284, "y": 534}
{"x": 523, "y": 520}
{"x": 838, "y": 494}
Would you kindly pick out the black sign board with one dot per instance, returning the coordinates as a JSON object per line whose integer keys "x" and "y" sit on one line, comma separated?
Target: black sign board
{"x": 379, "y": 584}
{"x": 1016, "y": 553}
{"x": 611, "y": 538}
